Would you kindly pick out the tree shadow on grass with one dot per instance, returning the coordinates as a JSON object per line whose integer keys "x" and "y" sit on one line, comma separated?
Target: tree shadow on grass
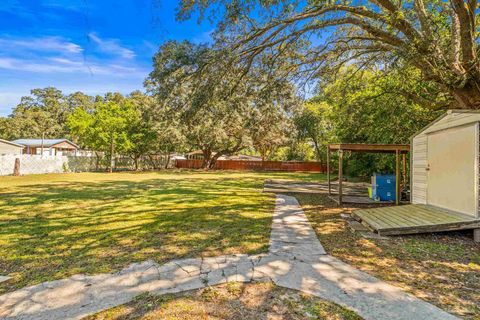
{"x": 50, "y": 231}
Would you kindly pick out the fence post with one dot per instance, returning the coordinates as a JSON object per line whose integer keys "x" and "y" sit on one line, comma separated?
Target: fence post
{"x": 16, "y": 167}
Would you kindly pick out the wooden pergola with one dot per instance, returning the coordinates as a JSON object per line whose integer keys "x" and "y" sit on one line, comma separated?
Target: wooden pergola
{"x": 397, "y": 149}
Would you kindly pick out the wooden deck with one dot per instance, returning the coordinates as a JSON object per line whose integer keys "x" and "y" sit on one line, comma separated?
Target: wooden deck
{"x": 414, "y": 218}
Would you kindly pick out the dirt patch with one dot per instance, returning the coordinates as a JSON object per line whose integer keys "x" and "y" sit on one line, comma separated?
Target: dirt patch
{"x": 233, "y": 300}
{"x": 443, "y": 269}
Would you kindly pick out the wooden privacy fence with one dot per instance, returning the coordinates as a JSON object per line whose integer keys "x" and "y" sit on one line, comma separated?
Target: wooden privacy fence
{"x": 255, "y": 165}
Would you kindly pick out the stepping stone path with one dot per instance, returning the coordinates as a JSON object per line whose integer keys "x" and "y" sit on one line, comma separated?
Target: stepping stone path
{"x": 4, "y": 278}
{"x": 296, "y": 260}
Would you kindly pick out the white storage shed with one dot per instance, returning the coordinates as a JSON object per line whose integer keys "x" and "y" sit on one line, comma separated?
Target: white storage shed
{"x": 445, "y": 163}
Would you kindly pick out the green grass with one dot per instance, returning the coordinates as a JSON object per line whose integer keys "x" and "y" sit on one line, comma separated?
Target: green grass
{"x": 53, "y": 226}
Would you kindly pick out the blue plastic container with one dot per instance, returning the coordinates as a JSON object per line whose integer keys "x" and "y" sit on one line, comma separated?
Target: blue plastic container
{"x": 383, "y": 187}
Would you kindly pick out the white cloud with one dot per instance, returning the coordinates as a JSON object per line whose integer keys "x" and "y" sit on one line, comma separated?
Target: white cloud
{"x": 46, "y": 44}
{"x": 62, "y": 65}
{"x": 64, "y": 5}
{"x": 111, "y": 46}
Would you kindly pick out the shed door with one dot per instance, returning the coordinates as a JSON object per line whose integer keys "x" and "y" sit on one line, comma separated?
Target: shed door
{"x": 452, "y": 169}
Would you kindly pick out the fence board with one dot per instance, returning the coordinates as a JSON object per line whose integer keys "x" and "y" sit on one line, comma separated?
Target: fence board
{"x": 255, "y": 165}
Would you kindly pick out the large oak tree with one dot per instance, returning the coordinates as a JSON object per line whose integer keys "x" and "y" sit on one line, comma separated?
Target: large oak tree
{"x": 440, "y": 38}
{"x": 216, "y": 105}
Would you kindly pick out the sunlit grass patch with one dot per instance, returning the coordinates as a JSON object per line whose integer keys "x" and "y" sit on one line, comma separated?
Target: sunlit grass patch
{"x": 53, "y": 226}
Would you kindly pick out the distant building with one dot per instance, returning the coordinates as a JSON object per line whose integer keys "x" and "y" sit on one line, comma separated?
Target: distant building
{"x": 242, "y": 157}
{"x": 198, "y": 155}
{"x": 194, "y": 155}
{"x": 51, "y": 147}
{"x": 7, "y": 147}
{"x": 176, "y": 156}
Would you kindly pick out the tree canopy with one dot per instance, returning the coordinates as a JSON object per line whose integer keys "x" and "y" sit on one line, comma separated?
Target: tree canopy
{"x": 438, "y": 38}
{"x": 218, "y": 112}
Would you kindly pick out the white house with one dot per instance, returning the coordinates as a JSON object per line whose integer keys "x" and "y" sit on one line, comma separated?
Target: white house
{"x": 445, "y": 163}
{"x": 7, "y": 147}
{"x": 51, "y": 147}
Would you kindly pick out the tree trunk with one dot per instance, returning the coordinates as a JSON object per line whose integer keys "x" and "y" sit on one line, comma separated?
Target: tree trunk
{"x": 112, "y": 156}
{"x": 467, "y": 97}
{"x": 167, "y": 162}
{"x": 207, "y": 154}
{"x": 317, "y": 149}
{"x": 263, "y": 154}
{"x": 135, "y": 160}
{"x": 43, "y": 138}
{"x": 16, "y": 167}
{"x": 153, "y": 163}
{"x": 213, "y": 160}
{"x": 97, "y": 161}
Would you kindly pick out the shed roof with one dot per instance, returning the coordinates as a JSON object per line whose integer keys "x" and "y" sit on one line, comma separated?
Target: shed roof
{"x": 11, "y": 143}
{"x": 447, "y": 113}
{"x": 47, "y": 143}
{"x": 369, "y": 147}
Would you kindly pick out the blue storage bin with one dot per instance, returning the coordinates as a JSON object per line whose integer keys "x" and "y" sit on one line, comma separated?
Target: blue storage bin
{"x": 383, "y": 187}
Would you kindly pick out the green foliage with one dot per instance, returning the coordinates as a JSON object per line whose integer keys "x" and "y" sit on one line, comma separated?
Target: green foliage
{"x": 438, "y": 38}
{"x": 295, "y": 151}
{"x": 312, "y": 125}
{"x": 364, "y": 107}
{"x": 110, "y": 128}
{"x": 220, "y": 107}
{"x": 42, "y": 114}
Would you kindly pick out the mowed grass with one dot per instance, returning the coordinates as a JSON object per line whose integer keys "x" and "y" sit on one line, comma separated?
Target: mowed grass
{"x": 53, "y": 226}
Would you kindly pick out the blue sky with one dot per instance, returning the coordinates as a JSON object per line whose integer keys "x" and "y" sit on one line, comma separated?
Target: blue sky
{"x": 93, "y": 46}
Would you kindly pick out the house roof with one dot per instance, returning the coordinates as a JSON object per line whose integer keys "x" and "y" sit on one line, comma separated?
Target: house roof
{"x": 244, "y": 157}
{"x": 11, "y": 143}
{"x": 47, "y": 143}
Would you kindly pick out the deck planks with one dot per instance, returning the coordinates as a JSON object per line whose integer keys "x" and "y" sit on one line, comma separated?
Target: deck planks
{"x": 414, "y": 218}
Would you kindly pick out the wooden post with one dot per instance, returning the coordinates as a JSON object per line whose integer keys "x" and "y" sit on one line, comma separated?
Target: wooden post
{"x": 404, "y": 160}
{"x": 16, "y": 168}
{"x": 340, "y": 175}
{"x": 328, "y": 171}
{"x": 476, "y": 235}
{"x": 397, "y": 176}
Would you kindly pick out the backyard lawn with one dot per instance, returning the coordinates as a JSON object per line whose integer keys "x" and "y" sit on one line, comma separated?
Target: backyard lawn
{"x": 443, "y": 269}
{"x": 53, "y": 226}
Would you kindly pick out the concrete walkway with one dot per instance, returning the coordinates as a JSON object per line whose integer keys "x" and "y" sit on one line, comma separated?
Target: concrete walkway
{"x": 296, "y": 260}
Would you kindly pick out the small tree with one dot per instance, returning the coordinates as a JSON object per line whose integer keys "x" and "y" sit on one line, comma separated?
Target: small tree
{"x": 312, "y": 124}
{"x": 270, "y": 130}
{"x": 106, "y": 129}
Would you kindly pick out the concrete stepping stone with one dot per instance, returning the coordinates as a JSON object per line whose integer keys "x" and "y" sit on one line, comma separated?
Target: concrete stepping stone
{"x": 4, "y": 278}
{"x": 356, "y": 226}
